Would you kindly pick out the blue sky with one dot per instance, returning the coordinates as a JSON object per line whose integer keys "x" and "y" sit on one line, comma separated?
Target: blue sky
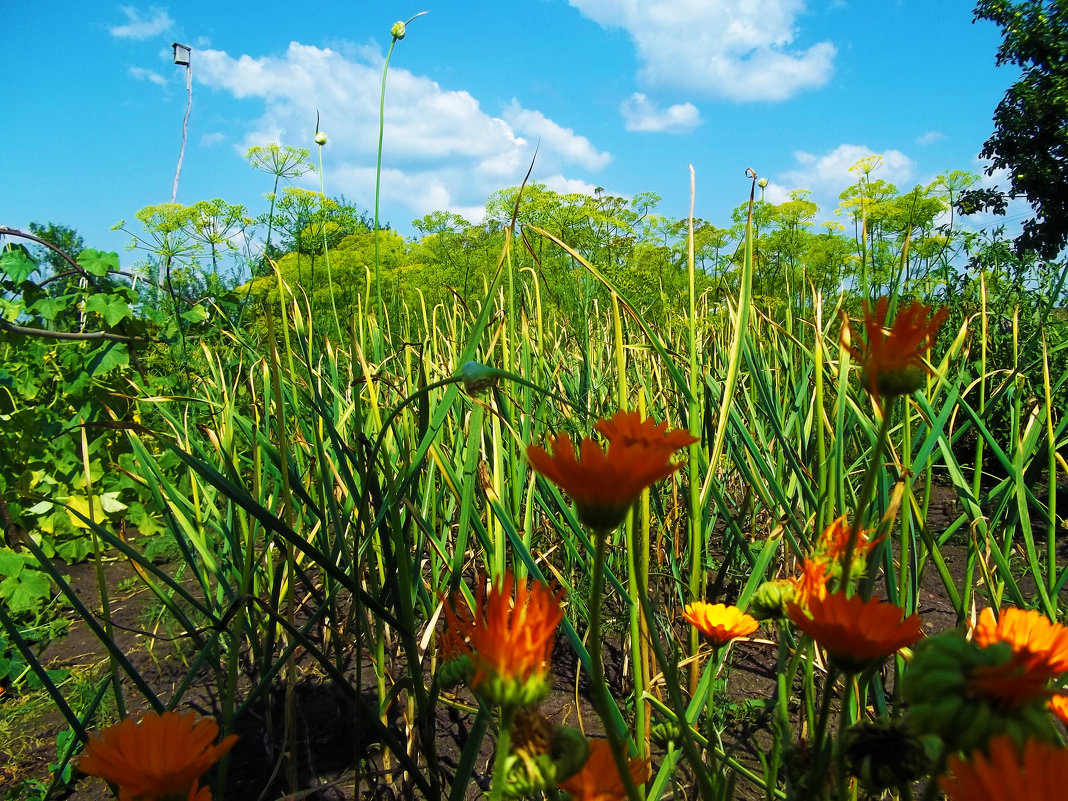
{"x": 620, "y": 94}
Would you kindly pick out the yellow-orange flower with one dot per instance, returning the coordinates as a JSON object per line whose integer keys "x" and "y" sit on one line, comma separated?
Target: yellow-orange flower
{"x": 159, "y": 757}
{"x": 1039, "y": 654}
{"x": 718, "y": 622}
{"x": 831, "y": 546}
{"x": 1039, "y": 645}
{"x": 605, "y": 484}
{"x": 893, "y": 362}
{"x": 810, "y": 583}
{"x": 510, "y": 640}
{"x": 1002, "y": 775}
{"x": 599, "y": 779}
{"x": 1058, "y": 705}
{"x": 855, "y": 632}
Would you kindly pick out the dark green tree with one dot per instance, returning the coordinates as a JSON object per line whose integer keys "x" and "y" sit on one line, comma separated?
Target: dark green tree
{"x": 1030, "y": 137}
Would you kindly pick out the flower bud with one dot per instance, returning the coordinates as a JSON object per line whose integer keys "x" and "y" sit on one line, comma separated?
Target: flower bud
{"x": 763, "y": 183}
{"x": 478, "y": 377}
{"x": 769, "y": 601}
{"x": 320, "y": 138}
{"x": 397, "y": 30}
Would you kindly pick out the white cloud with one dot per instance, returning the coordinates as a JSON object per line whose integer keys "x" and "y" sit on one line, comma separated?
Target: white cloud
{"x": 829, "y": 173}
{"x": 776, "y": 194}
{"x": 566, "y": 186}
{"x": 141, "y": 74}
{"x": 565, "y": 141}
{"x": 212, "y": 139}
{"x": 930, "y": 137}
{"x": 142, "y": 27}
{"x": 736, "y": 49}
{"x": 642, "y": 114}
{"x": 441, "y": 151}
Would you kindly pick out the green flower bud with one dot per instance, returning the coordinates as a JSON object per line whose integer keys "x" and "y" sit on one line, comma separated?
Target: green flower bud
{"x": 885, "y": 755}
{"x": 943, "y": 700}
{"x": 478, "y": 377}
{"x": 569, "y": 750}
{"x": 892, "y": 383}
{"x": 770, "y": 599}
{"x": 397, "y": 30}
{"x": 320, "y": 138}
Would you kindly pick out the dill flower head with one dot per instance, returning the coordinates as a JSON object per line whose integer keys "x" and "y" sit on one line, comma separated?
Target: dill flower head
{"x": 605, "y": 484}
{"x": 1040, "y": 773}
{"x": 508, "y": 640}
{"x": 856, "y": 634}
{"x": 599, "y": 779}
{"x": 159, "y": 757}
{"x": 718, "y": 622}
{"x": 892, "y": 362}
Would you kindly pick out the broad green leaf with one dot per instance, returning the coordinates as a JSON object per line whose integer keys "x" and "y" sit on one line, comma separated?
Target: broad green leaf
{"x": 25, "y": 592}
{"x": 11, "y": 563}
{"x": 98, "y": 262}
{"x": 74, "y": 550}
{"x": 111, "y": 503}
{"x": 197, "y": 314}
{"x": 17, "y": 265}
{"x": 113, "y": 308}
{"x": 107, "y": 358}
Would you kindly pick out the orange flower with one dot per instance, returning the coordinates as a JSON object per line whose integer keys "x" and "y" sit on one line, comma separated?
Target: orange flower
{"x": 719, "y": 622}
{"x": 893, "y": 362}
{"x": 1058, "y": 705}
{"x": 599, "y": 779}
{"x": 1039, "y": 654}
{"x": 811, "y": 583}
{"x": 1001, "y": 775}
{"x": 510, "y": 643}
{"x": 1040, "y": 646}
{"x": 160, "y": 757}
{"x": 831, "y": 546}
{"x": 604, "y": 485}
{"x": 855, "y": 632}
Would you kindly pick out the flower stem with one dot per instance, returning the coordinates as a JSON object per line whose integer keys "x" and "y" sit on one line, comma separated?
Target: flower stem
{"x": 602, "y": 698}
{"x": 867, "y": 491}
{"x": 500, "y": 760}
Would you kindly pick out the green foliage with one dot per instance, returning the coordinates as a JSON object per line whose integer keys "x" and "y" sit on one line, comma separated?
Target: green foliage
{"x": 24, "y": 588}
{"x": 1030, "y": 138}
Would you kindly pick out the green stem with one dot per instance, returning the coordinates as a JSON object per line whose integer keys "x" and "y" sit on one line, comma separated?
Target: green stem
{"x": 818, "y": 748}
{"x": 326, "y": 246}
{"x": 602, "y": 698}
{"x": 500, "y": 760}
{"x": 867, "y": 492}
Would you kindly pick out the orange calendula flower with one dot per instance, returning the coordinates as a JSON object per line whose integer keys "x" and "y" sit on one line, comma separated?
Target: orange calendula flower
{"x": 1058, "y": 705}
{"x": 159, "y": 757}
{"x": 1039, "y": 654}
{"x": 599, "y": 779}
{"x": 510, "y": 640}
{"x": 810, "y": 583}
{"x": 834, "y": 540}
{"x": 605, "y": 484}
{"x": 1039, "y": 645}
{"x": 1004, "y": 775}
{"x": 718, "y": 622}
{"x": 856, "y": 633}
{"x": 893, "y": 362}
